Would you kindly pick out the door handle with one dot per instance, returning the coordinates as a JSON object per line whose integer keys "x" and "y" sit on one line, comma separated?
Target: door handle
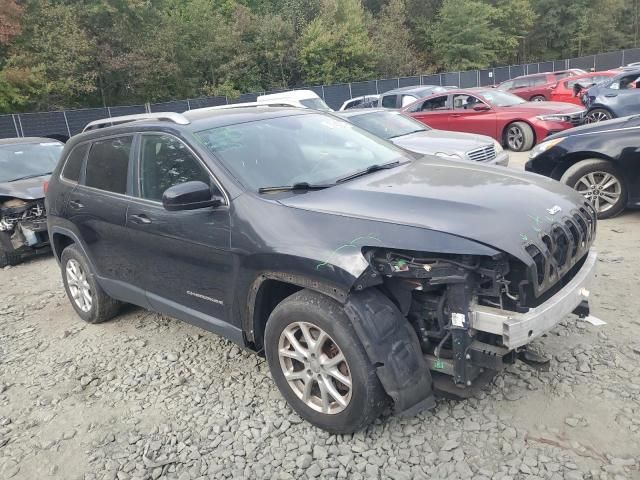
{"x": 456, "y": 115}
{"x": 141, "y": 219}
{"x": 611, "y": 95}
{"x": 75, "y": 204}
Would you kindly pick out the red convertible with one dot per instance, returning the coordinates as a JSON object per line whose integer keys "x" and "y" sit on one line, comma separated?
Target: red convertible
{"x": 511, "y": 120}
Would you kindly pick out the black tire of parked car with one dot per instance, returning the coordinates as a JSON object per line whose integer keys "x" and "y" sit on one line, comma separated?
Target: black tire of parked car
{"x": 368, "y": 398}
{"x": 584, "y": 167}
{"x": 598, "y": 115}
{"x": 538, "y": 98}
{"x": 103, "y": 307}
{"x": 8, "y": 256}
{"x": 519, "y": 136}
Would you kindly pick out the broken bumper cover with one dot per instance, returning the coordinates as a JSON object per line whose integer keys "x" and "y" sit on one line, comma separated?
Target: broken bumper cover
{"x": 518, "y": 329}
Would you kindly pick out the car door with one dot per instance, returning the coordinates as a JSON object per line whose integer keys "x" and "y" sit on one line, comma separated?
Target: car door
{"x": 98, "y": 204}
{"x": 521, "y": 88}
{"x": 623, "y": 96}
{"x": 433, "y": 111}
{"x": 471, "y": 115}
{"x": 183, "y": 258}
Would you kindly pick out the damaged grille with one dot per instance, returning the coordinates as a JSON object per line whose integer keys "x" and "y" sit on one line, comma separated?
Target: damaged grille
{"x": 483, "y": 154}
{"x": 19, "y": 212}
{"x": 561, "y": 247}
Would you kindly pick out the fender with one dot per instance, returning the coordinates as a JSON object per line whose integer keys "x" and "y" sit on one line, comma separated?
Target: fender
{"x": 68, "y": 233}
{"x": 392, "y": 345}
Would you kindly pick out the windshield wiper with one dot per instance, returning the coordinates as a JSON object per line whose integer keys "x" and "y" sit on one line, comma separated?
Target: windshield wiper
{"x": 303, "y": 186}
{"x": 368, "y": 170}
{"x": 34, "y": 175}
{"x": 408, "y": 133}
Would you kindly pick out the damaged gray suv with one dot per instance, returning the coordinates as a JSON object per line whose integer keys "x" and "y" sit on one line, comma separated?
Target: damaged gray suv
{"x": 367, "y": 276}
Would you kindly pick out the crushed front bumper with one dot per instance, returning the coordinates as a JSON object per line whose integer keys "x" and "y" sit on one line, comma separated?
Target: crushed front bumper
{"x": 518, "y": 329}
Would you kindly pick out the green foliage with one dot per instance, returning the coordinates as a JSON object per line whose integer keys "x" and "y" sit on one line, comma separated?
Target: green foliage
{"x": 68, "y": 53}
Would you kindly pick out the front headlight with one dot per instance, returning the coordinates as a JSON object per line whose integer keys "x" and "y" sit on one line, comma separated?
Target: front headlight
{"x": 554, "y": 118}
{"x": 544, "y": 146}
{"x": 498, "y": 146}
{"x": 449, "y": 156}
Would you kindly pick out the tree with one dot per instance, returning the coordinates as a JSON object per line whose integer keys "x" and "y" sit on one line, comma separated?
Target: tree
{"x": 335, "y": 47}
{"x": 394, "y": 50}
{"x": 465, "y": 36}
{"x": 514, "y": 18}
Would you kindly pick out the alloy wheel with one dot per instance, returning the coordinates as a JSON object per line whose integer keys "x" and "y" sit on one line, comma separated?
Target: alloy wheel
{"x": 515, "y": 138}
{"x": 597, "y": 116}
{"x": 78, "y": 286}
{"x": 315, "y": 368}
{"x": 602, "y": 189}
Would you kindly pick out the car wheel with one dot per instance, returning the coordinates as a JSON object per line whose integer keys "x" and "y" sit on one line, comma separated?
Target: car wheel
{"x": 90, "y": 302}
{"x": 8, "y": 256}
{"x": 598, "y": 115}
{"x": 519, "y": 136}
{"x": 538, "y": 98}
{"x": 320, "y": 366}
{"x": 600, "y": 183}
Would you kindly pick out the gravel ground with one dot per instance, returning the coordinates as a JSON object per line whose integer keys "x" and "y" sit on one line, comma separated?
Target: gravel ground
{"x": 147, "y": 397}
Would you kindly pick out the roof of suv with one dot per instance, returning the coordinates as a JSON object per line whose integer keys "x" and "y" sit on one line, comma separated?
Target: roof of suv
{"x": 417, "y": 89}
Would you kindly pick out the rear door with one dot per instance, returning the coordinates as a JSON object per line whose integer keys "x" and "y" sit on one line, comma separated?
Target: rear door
{"x": 463, "y": 117}
{"x": 98, "y": 206}
{"x": 433, "y": 111}
{"x": 183, "y": 258}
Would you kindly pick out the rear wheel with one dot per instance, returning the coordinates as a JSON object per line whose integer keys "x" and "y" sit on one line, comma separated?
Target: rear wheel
{"x": 598, "y": 115}
{"x": 519, "y": 136}
{"x": 538, "y": 98}
{"x": 319, "y": 364}
{"x": 600, "y": 183}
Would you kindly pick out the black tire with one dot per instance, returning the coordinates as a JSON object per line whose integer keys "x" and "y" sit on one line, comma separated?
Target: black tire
{"x": 598, "y": 115}
{"x": 8, "y": 256}
{"x": 519, "y": 136}
{"x": 367, "y": 397}
{"x": 538, "y": 98}
{"x": 102, "y": 307}
{"x": 597, "y": 167}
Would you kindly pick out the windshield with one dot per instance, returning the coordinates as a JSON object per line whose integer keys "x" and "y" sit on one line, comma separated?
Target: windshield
{"x": 312, "y": 148}
{"x": 28, "y": 160}
{"x": 388, "y": 124}
{"x": 498, "y": 98}
{"x": 316, "y": 104}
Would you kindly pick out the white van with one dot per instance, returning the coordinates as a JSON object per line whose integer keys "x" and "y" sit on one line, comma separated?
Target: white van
{"x": 296, "y": 98}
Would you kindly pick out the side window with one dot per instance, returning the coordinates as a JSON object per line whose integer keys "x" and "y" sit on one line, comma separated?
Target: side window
{"x": 521, "y": 82}
{"x": 389, "y": 101}
{"x": 537, "y": 81}
{"x": 165, "y": 161}
{"x": 437, "y": 103}
{"x": 73, "y": 165}
{"x": 562, "y": 75}
{"x": 108, "y": 164}
{"x": 465, "y": 102}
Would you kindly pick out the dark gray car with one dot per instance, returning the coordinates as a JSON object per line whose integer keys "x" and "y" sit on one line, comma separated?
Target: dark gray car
{"x": 616, "y": 97}
{"x": 417, "y": 137}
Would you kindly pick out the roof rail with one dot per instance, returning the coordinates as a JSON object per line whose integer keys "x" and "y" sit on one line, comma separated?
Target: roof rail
{"x": 242, "y": 105}
{"x": 108, "y": 122}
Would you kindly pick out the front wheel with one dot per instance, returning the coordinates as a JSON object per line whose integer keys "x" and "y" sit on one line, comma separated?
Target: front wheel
{"x": 600, "y": 183}
{"x": 319, "y": 364}
{"x": 519, "y": 136}
{"x": 598, "y": 115}
{"x": 538, "y": 98}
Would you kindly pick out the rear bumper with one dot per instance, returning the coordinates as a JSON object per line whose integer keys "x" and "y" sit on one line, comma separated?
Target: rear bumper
{"x": 518, "y": 329}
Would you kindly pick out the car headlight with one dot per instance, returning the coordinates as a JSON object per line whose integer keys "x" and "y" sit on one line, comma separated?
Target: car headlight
{"x": 449, "y": 156}
{"x": 544, "y": 146}
{"x": 498, "y": 147}
{"x": 554, "y": 118}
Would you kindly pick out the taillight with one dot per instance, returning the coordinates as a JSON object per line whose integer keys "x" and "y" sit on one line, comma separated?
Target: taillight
{"x": 45, "y": 186}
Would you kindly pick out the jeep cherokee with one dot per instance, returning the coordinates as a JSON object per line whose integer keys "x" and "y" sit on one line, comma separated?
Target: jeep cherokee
{"x": 365, "y": 274}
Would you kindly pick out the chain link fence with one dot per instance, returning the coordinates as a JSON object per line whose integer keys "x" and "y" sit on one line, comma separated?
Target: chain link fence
{"x": 66, "y": 123}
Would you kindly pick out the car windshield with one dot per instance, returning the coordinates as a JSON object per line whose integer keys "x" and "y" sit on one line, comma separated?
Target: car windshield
{"x": 498, "y": 98}
{"x": 316, "y": 104}
{"x": 27, "y": 160}
{"x": 388, "y": 124}
{"x": 316, "y": 149}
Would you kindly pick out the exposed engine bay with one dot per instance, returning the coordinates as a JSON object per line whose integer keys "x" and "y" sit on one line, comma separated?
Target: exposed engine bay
{"x": 24, "y": 222}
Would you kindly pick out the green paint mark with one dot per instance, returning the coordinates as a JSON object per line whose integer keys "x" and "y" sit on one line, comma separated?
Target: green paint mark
{"x": 524, "y": 237}
{"x": 439, "y": 364}
{"x": 352, "y": 244}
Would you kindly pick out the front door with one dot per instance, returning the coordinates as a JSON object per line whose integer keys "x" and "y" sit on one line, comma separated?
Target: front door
{"x": 183, "y": 257}
{"x": 467, "y": 117}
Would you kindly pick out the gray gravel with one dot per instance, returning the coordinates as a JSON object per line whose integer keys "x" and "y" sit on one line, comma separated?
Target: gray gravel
{"x": 148, "y": 397}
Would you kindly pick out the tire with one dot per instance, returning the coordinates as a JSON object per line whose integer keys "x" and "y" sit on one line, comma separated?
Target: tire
{"x": 519, "y": 136}
{"x": 362, "y": 402}
{"x": 582, "y": 176}
{"x": 598, "y": 115}
{"x": 101, "y": 307}
{"x": 8, "y": 256}
{"x": 538, "y": 98}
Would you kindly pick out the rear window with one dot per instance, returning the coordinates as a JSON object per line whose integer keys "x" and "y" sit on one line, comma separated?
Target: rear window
{"x": 108, "y": 164}
{"x": 73, "y": 165}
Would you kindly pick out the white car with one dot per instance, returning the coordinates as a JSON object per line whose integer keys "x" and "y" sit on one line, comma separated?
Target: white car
{"x": 295, "y": 98}
{"x": 363, "y": 101}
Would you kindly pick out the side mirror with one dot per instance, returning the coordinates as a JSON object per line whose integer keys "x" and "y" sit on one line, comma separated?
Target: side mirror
{"x": 190, "y": 196}
{"x": 481, "y": 107}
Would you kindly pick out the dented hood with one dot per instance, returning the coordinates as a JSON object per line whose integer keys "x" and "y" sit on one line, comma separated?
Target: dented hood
{"x": 27, "y": 189}
{"x": 491, "y": 205}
